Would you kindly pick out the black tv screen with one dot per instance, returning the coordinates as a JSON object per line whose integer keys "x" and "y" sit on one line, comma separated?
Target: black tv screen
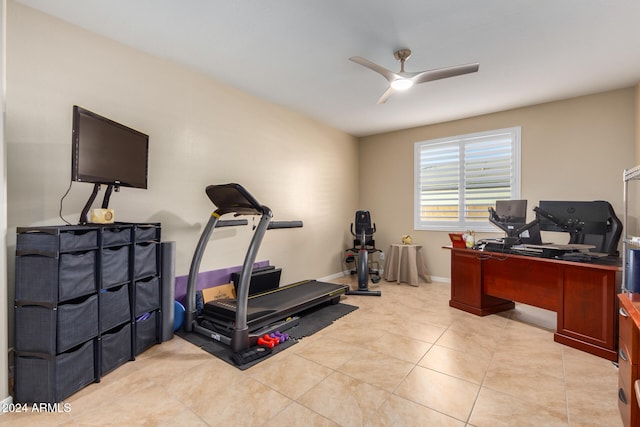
{"x": 106, "y": 152}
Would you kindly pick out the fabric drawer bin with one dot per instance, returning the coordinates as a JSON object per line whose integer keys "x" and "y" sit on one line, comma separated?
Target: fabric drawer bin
{"x": 114, "y": 307}
{"x": 66, "y": 241}
{"x": 145, "y": 234}
{"x": 50, "y": 380}
{"x": 116, "y": 236}
{"x": 77, "y": 275}
{"x": 37, "y": 326}
{"x": 146, "y": 331}
{"x": 77, "y": 323}
{"x": 54, "y": 330}
{"x": 116, "y": 348}
{"x": 146, "y": 260}
{"x": 78, "y": 240}
{"x": 50, "y": 279}
{"x": 115, "y": 266}
{"x": 147, "y": 295}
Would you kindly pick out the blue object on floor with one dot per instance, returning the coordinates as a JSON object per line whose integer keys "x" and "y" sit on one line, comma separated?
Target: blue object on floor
{"x": 178, "y": 315}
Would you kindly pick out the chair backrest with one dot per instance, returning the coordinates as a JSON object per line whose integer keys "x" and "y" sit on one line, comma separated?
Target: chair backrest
{"x": 605, "y": 243}
{"x": 363, "y": 222}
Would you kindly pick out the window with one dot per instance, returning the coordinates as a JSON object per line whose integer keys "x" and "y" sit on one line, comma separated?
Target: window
{"x": 458, "y": 178}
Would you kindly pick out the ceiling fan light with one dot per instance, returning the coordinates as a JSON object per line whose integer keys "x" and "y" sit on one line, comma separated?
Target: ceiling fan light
{"x": 401, "y": 84}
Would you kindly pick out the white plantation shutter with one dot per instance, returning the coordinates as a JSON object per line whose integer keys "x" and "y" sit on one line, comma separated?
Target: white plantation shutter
{"x": 458, "y": 178}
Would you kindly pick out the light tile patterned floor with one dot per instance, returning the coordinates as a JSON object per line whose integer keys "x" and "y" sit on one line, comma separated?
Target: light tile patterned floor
{"x": 403, "y": 359}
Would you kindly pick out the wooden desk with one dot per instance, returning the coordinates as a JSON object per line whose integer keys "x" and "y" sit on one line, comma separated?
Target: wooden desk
{"x": 405, "y": 264}
{"x": 583, "y": 295}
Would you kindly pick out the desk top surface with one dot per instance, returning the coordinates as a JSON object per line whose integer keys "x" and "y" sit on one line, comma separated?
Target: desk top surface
{"x": 502, "y": 256}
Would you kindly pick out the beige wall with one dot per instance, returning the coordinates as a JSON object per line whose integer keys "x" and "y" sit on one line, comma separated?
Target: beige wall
{"x": 201, "y": 132}
{"x": 574, "y": 149}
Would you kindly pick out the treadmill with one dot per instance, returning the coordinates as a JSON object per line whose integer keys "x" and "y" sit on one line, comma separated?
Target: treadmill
{"x": 240, "y": 322}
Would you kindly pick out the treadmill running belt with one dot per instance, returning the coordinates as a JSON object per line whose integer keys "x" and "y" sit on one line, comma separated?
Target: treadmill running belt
{"x": 286, "y": 300}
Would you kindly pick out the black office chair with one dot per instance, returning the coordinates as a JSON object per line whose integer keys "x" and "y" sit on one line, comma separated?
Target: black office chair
{"x": 604, "y": 243}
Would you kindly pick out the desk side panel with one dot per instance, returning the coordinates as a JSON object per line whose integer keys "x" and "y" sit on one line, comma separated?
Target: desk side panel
{"x": 467, "y": 287}
{"x": 589, "y": 306}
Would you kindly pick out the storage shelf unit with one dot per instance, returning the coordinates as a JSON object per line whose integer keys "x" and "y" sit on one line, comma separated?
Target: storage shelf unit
{"x": 629, "y": 175}
{"x": 628, "y": 347}
{"x": 87, "y": 299}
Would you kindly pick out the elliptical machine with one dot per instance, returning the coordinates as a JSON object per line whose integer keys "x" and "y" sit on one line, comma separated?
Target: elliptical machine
{"x": 364, "y": 233}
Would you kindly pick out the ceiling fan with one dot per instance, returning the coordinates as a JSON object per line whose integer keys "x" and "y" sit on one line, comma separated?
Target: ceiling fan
{"x": 403, "y": 80}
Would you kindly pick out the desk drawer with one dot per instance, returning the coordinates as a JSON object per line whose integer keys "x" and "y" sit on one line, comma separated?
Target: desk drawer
{"x": 626, "y": 394}
{"x": 628, "y": 335}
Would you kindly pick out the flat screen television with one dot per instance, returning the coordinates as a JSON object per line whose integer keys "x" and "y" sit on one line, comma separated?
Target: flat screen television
{"x": 106, "y": 152}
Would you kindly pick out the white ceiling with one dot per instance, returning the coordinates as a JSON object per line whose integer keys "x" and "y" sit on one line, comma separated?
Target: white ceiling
{"x": 295, "y": 53}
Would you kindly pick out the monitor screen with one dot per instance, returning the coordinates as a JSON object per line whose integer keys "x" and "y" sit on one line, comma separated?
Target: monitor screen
{"x": 574, "y": 217}
{"x": 511, "y": 211}
{"x": 106, "y": 152}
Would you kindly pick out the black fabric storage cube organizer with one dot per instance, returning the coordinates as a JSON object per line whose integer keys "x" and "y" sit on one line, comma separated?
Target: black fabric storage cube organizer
{"x": 114, "y": 307}
{"x": 146, "y": 259}
{"x": 115, "y": 348}
{"x": 115, "y": 266}
{"x": 54, "y": 330}
{"x": 52, "y": 379}
{"x": 147, "y": 295}
{"x": 146, "y": 331}
{"x": 73, "y": 275}
{"x": 116, "y": 236}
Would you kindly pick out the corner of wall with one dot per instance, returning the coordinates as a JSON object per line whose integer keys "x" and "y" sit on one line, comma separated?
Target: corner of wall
{"x": 4, "y": 333}
{"x": 637, "y": 116}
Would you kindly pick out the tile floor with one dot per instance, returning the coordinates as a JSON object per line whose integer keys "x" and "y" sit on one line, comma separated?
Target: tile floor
{"x": 403, "y": 359}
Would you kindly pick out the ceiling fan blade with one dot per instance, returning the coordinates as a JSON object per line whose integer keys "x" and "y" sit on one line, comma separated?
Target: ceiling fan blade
{"x": 443, "y": 73}
{"x": 387, "y": 74}
{"x": 385, "y": 95}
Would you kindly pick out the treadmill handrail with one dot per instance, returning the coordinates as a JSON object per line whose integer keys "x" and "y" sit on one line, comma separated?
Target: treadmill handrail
{"x": 284, "y": 224}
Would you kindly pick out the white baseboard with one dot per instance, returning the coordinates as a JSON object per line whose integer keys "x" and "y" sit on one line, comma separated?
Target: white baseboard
{"x": 348, "y": 273}
{"x": 334, "y": 276}
{"x": 6, "y": 402}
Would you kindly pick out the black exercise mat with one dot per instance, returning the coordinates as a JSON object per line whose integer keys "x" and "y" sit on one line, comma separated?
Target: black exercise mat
{"x": 311, "y": 321}
{"x": 314, "y": 320}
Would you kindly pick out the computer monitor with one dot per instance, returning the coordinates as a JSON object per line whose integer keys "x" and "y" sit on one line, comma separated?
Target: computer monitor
{"x": 573, "y": 217}
{"x": 511, "y": 217}
{"x": 511, "y": 211}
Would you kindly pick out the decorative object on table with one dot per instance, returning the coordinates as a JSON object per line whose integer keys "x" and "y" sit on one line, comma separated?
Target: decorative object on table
{"x": 470, "y": 238}
{"x": 407, "y": 240}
